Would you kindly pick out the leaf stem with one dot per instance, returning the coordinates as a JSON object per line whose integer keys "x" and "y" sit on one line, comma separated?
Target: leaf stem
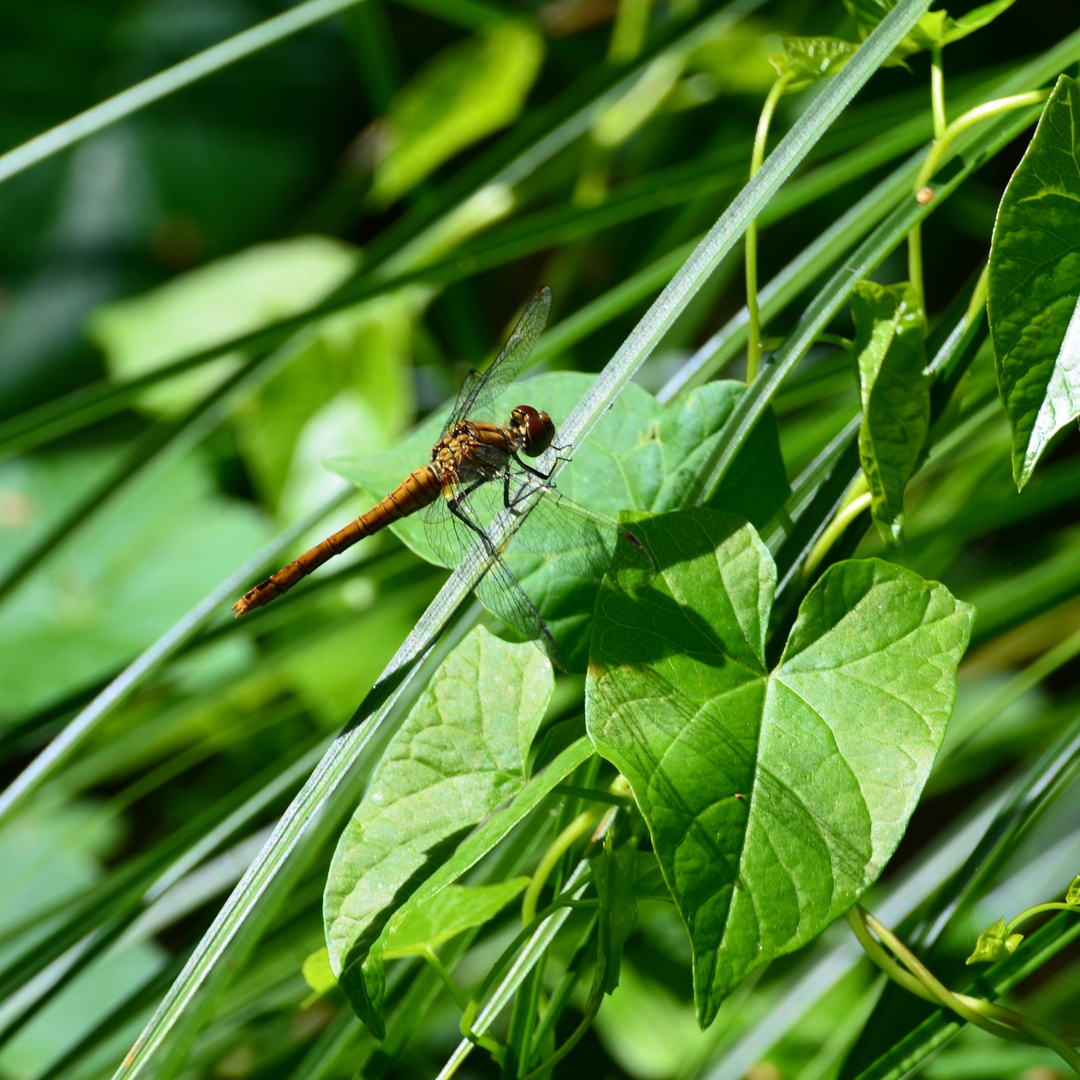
{"x": 1038, "y": 909}
{"x": 944, "y": 136}
{"x": 919, "y": 980}
{"x": 937, "y": 92}
{"x": 440, "y": 970}
{"x": 753, "y": 341}
{"x": 860, "y": 500}
{"x": 581, "y": 824}
{"x": 940, "y": 147}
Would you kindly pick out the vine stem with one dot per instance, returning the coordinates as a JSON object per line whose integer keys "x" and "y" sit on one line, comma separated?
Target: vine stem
{"x": 989, "y": 109}
{"x": 753, "y": 340}
{"x": 578, "y": 827}
{"x": 937, "y": 92}
{"x": 919, "y": 980}
{"x": 1055, "y": 905}
{"x": 944, "y": 136}
{"x": 859, "y": 500}
{"x": 455, "y": 991}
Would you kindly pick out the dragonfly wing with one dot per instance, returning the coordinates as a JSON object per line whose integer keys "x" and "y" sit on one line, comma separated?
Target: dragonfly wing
{"x": 574, "y": 539}
{"x": 455, "y": 543}
{"x": 480, "y": 391}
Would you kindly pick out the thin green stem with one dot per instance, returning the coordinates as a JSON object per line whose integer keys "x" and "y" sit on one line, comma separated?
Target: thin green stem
{"x": 860, "y": 501}
{"x": 937, "y": 92}
{"x": 753, "y": 341}
{"x": 455, "y": 990}
{"x": 628, "y": 33}
{"x": 937, "y": 110}
{"x": 940, "y": 147}
{"x": 580, "y": 825}
{"x": 1056, "y": 905}
{"x": 1005, "y": 1023}
{"x": 944, "y": 137}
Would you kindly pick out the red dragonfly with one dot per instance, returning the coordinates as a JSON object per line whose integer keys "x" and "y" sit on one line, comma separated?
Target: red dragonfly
{"x": 478, "y": 469}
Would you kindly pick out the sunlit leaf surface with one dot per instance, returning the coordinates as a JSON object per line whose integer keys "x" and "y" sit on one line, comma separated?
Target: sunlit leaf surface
{"x": 459, "y": 755}
{"x": 1035, "y": 284}
{"x": 774, "y": 797}
{"x": 895, "y": 393}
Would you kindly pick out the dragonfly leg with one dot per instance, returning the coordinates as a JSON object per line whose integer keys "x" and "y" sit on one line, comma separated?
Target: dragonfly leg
{"x": 462, "y": 515}
{"x": 510, "y": 501}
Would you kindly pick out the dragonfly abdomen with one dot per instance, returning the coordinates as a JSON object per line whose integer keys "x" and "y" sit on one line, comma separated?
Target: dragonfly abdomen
{"x": 418, "y": 489}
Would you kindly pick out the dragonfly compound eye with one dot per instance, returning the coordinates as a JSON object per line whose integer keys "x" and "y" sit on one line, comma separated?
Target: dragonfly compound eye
{"x": 537, "y": 429}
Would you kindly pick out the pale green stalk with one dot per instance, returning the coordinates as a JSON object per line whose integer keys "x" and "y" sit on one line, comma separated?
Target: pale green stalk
{"x": 753, "y": 341}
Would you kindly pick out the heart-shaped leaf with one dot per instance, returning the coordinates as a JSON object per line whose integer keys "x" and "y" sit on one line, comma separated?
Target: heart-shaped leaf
{"x": 774, "y": 798}
{"x": 1034, "y": 285}
{"x": 460, "y": 753}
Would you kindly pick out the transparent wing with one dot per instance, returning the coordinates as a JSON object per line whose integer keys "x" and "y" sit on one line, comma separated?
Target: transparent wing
{"x": 454, "y": 541}
{"x": 568, "y": 536}
{"x": 480, "y": 391}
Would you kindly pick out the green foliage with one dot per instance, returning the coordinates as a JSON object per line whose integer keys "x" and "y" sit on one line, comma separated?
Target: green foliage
{"x": 805, "y": 60}
{"x": 994, "y": 944}
{"x": 206, "y": 307}
{"x": 643, "y": 457}
{"x": 448, "y": 913}
{"x": 1034, "y": 285}
{"x": 894, "y": 387}
{"x": 739, "y": 770}
{"x": 460, "y": 754}
{"x": 297, "y": 261}
{"x": 933, "y": 30}
{"x": 467, "y": 92}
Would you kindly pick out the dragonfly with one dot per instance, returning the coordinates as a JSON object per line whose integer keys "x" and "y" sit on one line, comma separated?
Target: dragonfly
{"x": 479, "y": 468}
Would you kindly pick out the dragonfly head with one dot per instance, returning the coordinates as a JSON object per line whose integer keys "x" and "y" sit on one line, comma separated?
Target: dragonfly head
{"x": 535, "y": 430}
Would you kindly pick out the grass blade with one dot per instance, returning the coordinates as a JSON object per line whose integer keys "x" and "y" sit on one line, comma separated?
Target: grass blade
{"x": 167, "y": 82}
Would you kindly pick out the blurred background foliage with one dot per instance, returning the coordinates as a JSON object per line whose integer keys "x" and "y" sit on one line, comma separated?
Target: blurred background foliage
{"x": 254, "y": 196}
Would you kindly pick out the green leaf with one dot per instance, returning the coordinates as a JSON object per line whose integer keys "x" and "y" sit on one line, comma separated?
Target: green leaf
{"x": 642, "y": 456}
{"x": 774, "y": 799}
{"x": 649, "y": 883}
{"x": 1073, "y": 895}
{"x": 934, "y": 29}
{"x": 460, "y": 753}
{"x": 975, "y": 19}
{"x": 805, "y": 60}
{"x": 994, "y": 945}
{"x": 734, "y": 60}
{"x": 929, "y": 31}
{"x": 206, "y": 307}
{"x": 467, "y": 92}
{"x": 468, "y": 854}
{"x": 895, "y": 392}
{"x": 318, "y": 973}
{"x": 348, "y": 391}
{"x": 614, "y": 876}
{"x": 1034, "y": 284}
{"x": 448, "y": 913}
{"x": 139, "y": 565}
